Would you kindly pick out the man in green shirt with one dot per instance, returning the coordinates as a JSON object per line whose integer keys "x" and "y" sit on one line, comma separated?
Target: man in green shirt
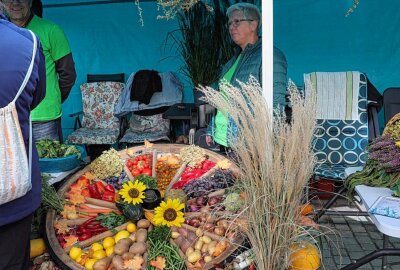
{"x": 60, "y": 68}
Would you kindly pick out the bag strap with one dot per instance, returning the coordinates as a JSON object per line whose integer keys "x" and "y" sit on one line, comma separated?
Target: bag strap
{"x": 29, "y": 72}
{"x": 22, "y": 87}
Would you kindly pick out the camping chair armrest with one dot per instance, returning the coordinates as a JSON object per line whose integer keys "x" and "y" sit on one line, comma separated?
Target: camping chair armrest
{"x": 77, "y": 123}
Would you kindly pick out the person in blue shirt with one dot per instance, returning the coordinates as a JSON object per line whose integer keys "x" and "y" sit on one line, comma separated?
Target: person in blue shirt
{"x": 16, "y": 46}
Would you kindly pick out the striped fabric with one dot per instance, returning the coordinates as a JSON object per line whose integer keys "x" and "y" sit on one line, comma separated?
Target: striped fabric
{"x": 336, "y": 93}
{"x": 15, "y": 167}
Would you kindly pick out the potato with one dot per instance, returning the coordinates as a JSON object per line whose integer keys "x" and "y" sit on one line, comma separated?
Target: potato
{"x": 211, "y": 247}
{"x": 102, "y": 264}
{"x": 126, "y": 241}
{"x": 204, "y": 248}
{"x": 188, "y": 251}
{"x": 127, "y": 256}
{"x": 138, "y": 248}
{"x": 207, "y": 259}
{"x": 141, "y": 235}
{"x": 118, "y": 263}
{"x": 199, "y": 244}
{"x": 206, "y": 239}
{"x": 121, "y": 248}
{"x": 143, "y": 224}
{"x": 175, "y": 235}
{"x": 194, "y": 256}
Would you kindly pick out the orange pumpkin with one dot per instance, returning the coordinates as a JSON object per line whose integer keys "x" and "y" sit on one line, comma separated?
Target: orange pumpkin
{"x": 304, "y": 256}
{"x": 306, "y": 209}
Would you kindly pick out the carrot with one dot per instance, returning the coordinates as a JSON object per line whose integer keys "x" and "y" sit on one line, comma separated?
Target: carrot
{"x": 91, "y": 206}
{"x": 77, "y": 221}
{"x": 92, "y": 210}
{"x": 101, "y": 203}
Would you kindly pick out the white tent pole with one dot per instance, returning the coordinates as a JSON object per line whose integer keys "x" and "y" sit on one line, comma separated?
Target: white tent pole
{"x": 267, "y": 50}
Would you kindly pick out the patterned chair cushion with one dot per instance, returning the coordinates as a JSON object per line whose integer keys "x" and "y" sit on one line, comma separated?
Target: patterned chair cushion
{"x": 152, "y": 123}
{"x": 139, "y": 137}
{"x": 339, "y": 144}
{"x": 151, "y": 128}
{"x": 94, "y": 136}
{"x": 99, "y": 99}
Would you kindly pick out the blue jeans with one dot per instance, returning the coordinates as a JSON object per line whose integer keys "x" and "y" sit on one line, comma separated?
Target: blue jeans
{"x": 47, "y": 130}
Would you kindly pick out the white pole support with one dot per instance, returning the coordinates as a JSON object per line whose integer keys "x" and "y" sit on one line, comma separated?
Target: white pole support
{"x": 267, "y": 50}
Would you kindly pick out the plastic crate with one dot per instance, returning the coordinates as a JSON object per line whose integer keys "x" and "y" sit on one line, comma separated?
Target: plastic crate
{"x": 62, "y": 164}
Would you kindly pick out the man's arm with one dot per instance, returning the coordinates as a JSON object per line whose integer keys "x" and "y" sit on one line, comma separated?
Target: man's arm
{"x": 65, "y": 68}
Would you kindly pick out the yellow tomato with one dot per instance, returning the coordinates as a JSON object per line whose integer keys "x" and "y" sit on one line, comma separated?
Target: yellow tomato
{"x": 131, "y": 228}
{"x": 120, "y": 235}
{"x": 110, "y": 250}
{"x": 89, "y": 264}
{"x": 108, "y": 242}
{"x": 96, "y": 246}
{"x": 99, "y": 254}
{"x": 75, "y": 253}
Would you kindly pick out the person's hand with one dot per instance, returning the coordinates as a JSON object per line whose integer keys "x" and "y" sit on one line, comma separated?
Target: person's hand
{"x": 209, "y": 140}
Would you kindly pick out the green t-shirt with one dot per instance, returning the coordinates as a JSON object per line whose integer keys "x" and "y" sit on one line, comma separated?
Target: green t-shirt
{"x": 55, "y": 46}
{"x": 221, "y": 122}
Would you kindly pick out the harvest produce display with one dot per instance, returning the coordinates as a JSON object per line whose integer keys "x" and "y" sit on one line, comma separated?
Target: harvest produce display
{"x": 159, "y": 207}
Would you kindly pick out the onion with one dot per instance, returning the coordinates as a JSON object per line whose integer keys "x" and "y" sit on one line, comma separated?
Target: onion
{"x": 208, "y": 227}
{"x": 201, "y": 201}
{"x": 223, "y": 223}
{"x": 195, "y": 222}
{"x": 194, "y": 208}
{"x": 213, "y": 201}
{"x": 219, "y": 231}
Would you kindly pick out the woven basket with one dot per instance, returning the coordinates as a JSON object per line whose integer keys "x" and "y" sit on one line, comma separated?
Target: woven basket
{"x": 63, "y": 164}
{"x": 390, "y": 124}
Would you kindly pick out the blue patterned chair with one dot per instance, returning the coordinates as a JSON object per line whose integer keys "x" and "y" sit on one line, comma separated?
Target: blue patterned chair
{"x": 99, "y": 125}
{"x": 340, "y": 144}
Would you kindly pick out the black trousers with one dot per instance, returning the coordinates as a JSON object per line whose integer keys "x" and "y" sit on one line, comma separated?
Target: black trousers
{"x": 15, "y": 244}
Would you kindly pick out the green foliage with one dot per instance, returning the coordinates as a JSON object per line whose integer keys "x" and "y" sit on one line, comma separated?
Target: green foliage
{"x": 54, "y": 149}
{"x": 111, "y": 220}
{"x": 149, "y": 181}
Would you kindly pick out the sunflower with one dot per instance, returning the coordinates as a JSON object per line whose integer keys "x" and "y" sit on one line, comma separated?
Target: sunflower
{"x": 169, "y": 213}
{"x": 133, "y": 192}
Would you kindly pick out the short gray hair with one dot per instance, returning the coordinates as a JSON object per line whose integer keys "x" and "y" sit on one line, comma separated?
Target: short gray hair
{"x": 249, "y": 11}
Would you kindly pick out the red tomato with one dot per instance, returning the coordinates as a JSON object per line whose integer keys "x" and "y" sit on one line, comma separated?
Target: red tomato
{"x": 135, "y": 172}
{"x": 147, "y": 171}
{"x": 129, "y": 163}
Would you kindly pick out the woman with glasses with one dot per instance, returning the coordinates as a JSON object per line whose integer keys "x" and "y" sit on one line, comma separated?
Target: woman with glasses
{"x": 244, "y": 26}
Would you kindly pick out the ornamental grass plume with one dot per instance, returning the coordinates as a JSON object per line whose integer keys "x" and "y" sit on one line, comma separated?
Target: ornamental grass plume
{"x": 275, "y": 161}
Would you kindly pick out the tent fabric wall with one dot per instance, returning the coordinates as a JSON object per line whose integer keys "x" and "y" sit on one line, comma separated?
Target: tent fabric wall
{"x": 108, "y": 38}
{"x": 316, "y": 36}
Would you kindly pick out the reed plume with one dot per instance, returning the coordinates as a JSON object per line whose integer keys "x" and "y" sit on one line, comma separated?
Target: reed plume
{"x": 275, "y": 161}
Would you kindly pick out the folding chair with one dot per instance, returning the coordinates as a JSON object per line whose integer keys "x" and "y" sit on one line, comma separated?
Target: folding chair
{"x": 341, "y": 137}
{"x": 99, "y": 128}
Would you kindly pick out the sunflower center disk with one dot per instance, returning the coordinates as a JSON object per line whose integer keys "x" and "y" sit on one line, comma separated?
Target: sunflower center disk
{"x": 133, "y": 193}
{"x": 170, "y": 214}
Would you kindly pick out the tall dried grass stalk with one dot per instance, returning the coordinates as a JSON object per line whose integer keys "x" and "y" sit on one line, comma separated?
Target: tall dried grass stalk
{"x": 276, "y": 162}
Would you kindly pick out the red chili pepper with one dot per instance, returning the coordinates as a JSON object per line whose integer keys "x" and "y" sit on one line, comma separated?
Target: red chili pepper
{"x": 251, "y": 266}
{"x": 109, "y": 188}
{"x": 90, "y": 220}
{"x": 84, "y": 236}
{"x": 94, "y": 192}
{"x": 100, "y": 187}
{"x": 108, "y": 196}
{"x": 85, "y": 192}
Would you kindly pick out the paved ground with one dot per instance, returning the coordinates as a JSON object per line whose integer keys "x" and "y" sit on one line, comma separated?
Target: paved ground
{"x": 349, "y": 238}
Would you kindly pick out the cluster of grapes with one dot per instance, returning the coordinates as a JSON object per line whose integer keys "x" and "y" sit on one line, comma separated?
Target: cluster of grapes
{"x": 203, "y": 186}
{"x": 117, "y": 182}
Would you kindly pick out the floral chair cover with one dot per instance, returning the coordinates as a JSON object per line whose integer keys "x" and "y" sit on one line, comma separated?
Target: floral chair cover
{"x": 151, "y": 128}
{"x": 99, "y": 125}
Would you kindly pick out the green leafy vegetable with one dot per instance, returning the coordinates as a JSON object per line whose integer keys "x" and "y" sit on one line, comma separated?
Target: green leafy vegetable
{"x": 111, "y": 220}
{"x": 159, "y": 233}
{"x": 149, "y": 181}
{"x": 54, "y": 149}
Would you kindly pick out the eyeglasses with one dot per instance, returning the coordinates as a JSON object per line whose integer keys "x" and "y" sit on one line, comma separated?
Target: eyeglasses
{"x": 14, "y": 1}
{"x": 236, "y": 22}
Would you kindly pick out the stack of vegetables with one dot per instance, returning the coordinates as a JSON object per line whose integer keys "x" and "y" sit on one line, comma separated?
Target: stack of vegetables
{"x": 113, "y": 216}
{"x": 383, "y": 165}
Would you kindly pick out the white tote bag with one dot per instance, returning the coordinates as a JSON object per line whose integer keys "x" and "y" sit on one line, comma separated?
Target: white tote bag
{"x": 15, "y": 167}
